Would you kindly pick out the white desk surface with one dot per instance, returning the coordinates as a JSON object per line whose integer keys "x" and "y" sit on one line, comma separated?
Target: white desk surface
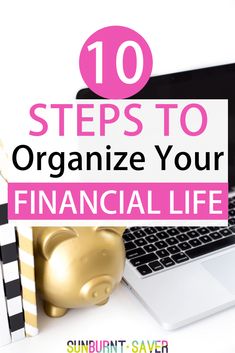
{"x": 125, "y": 318}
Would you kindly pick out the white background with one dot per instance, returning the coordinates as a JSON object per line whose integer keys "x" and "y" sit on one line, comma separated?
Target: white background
{"x": 40, "y": 44}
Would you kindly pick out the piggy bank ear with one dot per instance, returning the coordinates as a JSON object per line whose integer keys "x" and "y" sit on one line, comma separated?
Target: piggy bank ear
{"x": 47, "y": 238}
{"x": 116, "y": 230}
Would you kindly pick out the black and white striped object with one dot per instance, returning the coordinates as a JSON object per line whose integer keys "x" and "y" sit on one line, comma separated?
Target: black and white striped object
{"x": 5, "y": 336}
{"x": 11, "y": 276}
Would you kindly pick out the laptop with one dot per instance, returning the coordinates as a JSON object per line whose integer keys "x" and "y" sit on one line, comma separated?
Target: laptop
{"x": 183, "y": 274}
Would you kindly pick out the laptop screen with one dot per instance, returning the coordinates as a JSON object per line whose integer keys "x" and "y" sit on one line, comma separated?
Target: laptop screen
{"x": 209, "y": 83}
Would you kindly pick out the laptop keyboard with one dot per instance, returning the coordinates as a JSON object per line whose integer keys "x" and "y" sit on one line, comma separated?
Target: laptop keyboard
{"x": 153, "y": 249}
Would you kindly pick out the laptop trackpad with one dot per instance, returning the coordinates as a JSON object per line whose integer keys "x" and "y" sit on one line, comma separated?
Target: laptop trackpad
{"x": 223, "y": 269}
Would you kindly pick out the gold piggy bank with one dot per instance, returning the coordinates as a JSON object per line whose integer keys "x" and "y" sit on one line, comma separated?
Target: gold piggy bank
{"x": 77, "y": 266}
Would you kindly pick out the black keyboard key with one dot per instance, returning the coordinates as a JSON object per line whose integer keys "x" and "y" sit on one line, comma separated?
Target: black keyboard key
{"x": 162, "y": 235}
{"x": 231, "y": 213}
{"x": 173, "y": 231}
{"x": 193, "y": 234}
{"x": 150, "y": 248}
{"x": 162, "y": 253}
{"x": 144, "y": 270}
{"x": 139, "y": 233}
{"x": 141, "y": 260}
{"x": 213, "y": 246}
{"x": 232, "y": 229}
{"x": 159, "y": 229}
{"x": 215, "y": 235}
{"x": 134, "y": 253}
{"x": 173, "y": 249}
{"x": 231, "y": 221}
{"x": 182, "y": 237}
{"x": 155, "y": 266}
{"x": 128, "y": 236}
{"x": 213, "y": 228}
{"x": 167, "y": 262}
{"x": 140, "y": 242}
{"x": 183, "y": 229}
{"x": 151, "y": 238}
{"x": 225, "y": 232}
{"x": 184, "y": 246}
{"x": 203, "y": 230}
{"x": 172, "y": 241}
{"x": 205, "y": 239}
{"x": 130, "y": 245}
{"x": 150, "y": 230}
{"x": 161, "y": 244}
{"x": 195, "y": 242}
{"x": 134, "y": 228}
{"x": 179, "y": 258}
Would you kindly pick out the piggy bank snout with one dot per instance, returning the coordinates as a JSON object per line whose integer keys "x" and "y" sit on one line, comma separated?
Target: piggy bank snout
{"x": 97, "y": 289}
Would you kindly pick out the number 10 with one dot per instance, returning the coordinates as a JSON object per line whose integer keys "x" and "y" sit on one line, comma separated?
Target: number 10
{"x": 98, "y": 46}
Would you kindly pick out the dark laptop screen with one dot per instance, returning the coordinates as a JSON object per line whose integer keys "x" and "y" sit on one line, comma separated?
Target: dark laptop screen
{"x": 209, "y": 83}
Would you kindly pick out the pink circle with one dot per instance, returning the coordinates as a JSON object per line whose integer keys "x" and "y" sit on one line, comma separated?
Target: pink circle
{"x": 110, "y": 84}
